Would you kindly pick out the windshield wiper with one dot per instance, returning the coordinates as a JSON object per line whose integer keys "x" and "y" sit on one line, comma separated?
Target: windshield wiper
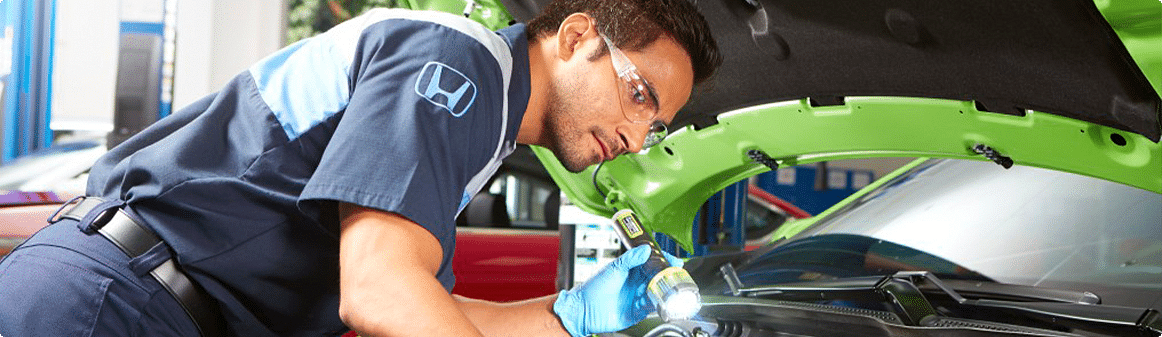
{"x": 905, "y": 292}
{"x": 970, "y": 288}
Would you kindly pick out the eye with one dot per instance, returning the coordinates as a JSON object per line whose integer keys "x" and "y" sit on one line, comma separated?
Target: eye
{"x": 640, "y": 97}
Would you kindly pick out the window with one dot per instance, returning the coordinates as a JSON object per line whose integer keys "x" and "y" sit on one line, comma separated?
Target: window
{"x": 525, "y": 197}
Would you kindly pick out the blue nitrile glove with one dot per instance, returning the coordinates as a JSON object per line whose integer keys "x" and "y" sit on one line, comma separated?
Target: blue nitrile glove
{"x": 612, "y": 300}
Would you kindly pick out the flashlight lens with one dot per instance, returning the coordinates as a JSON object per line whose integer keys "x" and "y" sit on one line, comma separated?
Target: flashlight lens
{"x": 682, "y": 304}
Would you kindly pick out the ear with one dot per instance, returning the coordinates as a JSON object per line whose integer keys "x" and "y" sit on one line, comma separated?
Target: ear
{"x": 573, "y": 33}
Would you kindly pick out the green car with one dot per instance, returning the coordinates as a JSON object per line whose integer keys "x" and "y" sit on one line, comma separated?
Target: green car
{"x": 1036, "y": 206}
{"x": 1034, "y": 209}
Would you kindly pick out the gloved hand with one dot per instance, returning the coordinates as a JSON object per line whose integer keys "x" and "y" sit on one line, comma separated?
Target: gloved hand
{"x": 614, "y": 299}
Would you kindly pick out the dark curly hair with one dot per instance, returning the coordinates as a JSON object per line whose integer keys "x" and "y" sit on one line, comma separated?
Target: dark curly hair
{"x": 635, "y": 24}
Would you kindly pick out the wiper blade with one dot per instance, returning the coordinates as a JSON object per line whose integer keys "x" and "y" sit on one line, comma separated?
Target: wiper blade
{"x": 969, "y": 288}
{"x": 1014, "y": 292}
{"x": 905, "y": 291}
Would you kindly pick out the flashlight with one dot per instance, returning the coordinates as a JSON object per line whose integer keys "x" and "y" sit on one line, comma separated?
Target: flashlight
{"x": 670, "y": 288}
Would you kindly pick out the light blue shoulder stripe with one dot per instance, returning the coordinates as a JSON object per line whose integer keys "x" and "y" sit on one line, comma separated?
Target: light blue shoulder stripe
{"x": 308, "y": 82}
{"x": 303, "y": 84}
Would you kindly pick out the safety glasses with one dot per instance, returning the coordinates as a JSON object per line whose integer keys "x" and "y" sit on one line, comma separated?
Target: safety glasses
{"x": 636, "y": 96}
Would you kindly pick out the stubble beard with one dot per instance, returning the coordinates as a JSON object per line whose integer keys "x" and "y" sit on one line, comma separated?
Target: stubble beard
{"x": 562, "y": 133}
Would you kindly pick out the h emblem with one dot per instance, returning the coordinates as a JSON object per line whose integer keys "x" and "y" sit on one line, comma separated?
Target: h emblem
{"x": 446, "y": 87}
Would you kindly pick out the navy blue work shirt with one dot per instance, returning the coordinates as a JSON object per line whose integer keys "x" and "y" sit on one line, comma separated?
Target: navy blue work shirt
{"x": 402, "y": 111}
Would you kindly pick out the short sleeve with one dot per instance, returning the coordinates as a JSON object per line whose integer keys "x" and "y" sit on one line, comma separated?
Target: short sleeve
{"x": 423, "y": 118}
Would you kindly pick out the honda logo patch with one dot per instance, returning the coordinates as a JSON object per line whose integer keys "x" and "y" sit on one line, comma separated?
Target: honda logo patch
{"x": 446, "y": 87}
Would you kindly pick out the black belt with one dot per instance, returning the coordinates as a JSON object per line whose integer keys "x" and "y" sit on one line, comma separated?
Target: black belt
{"x": 134, "y": 239}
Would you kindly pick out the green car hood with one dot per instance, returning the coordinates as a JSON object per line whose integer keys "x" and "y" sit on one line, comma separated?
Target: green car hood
{"x": 1065, "y": 85}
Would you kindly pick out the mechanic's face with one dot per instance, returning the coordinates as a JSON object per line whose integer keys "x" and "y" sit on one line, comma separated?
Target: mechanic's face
{"x": 587, "y": 119}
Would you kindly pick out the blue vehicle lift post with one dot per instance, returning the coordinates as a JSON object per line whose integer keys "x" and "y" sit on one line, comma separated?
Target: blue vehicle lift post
{"x": 28, "y": 91}
{"x": 719, "y": 225}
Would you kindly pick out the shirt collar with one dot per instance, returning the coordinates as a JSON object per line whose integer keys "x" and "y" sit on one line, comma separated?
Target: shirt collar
{"x": 519, "y": 88}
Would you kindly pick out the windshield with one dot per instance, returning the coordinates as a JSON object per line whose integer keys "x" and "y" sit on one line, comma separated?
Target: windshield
{"x": 1023, "y": 225}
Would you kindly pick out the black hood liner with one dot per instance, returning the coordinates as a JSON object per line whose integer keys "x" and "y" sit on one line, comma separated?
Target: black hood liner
{"x": 1056, "y": 56}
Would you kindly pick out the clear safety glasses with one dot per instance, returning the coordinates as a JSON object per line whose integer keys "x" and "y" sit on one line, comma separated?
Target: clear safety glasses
{"x": 636, "y": 96}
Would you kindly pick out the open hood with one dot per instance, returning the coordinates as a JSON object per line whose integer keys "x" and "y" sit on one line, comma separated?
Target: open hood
{"x": 1068, "y": 85}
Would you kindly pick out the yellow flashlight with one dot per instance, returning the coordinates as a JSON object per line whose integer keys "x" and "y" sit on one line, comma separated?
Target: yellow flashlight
{"x": 671, "y": 289}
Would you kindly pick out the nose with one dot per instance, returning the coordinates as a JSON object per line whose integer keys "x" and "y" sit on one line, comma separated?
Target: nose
{"x": 633, "y": 136}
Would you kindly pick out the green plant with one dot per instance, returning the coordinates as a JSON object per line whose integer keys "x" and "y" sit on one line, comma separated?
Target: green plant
{"x": 305, "y": 18}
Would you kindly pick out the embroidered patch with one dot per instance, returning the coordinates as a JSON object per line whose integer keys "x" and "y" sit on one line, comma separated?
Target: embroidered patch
{"x": 446, "y": 87}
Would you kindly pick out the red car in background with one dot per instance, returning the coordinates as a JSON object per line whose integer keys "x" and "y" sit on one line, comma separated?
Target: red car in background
{"x": 507, "y": 242}
{"x": 23, "y": 213}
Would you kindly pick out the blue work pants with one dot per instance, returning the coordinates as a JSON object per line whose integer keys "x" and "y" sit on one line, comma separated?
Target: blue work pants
{"x": 63, "y": 282}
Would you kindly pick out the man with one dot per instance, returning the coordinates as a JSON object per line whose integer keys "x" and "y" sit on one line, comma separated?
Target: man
{"x": 318, "y": 190}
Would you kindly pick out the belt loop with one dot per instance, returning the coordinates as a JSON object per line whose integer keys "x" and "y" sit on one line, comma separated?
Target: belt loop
{"x": 56, "y": 215}
{"x": 148, "y": 261}
{"x": 88, "y": 223}
{"x": 148, "y": 255}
